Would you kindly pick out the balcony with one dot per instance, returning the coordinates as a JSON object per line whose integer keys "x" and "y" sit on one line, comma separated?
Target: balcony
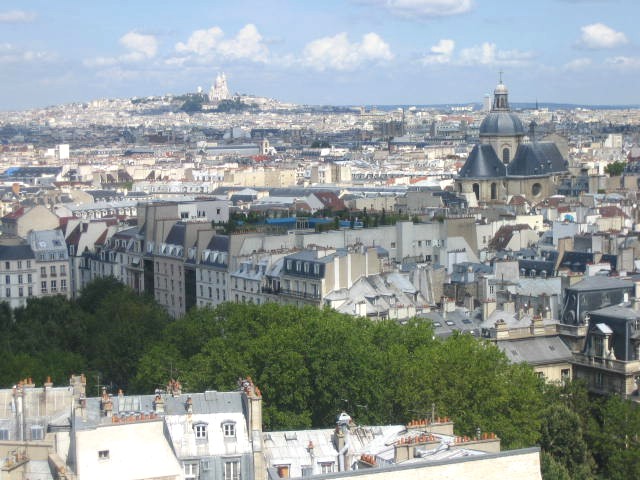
{"x": 295, "y": 293}
{"x": 617, "y": 366}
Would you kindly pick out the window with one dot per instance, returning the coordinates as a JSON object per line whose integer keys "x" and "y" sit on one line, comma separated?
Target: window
{"x": 103, "y": 454}
{"x": 283, "y": 471}
{"x": 20, "y": 278}
{"x": 307, "y": 471}
{"x": 63, "y": 285}
{"x": 43, "y": 271}
{"x": 306, "y": 267}
{"x": 20, "y": 291}
{"x": 63, "y": 270}
{"x": 19, "y": 264}
{"x": 599, "y": 379}
{"x": 37, "y": 432}
{"x": 316, "y": 268}
{"x": 7, "y": 279}
{"x": 53, "y": 270}
{"x": 232, "y": 470}
{"x": 201, "y": 430}
{"x": 190, "y": 471}
{"x": 43, "y": 287}
{"x": 30, "y": 291}
{"x": 598, "y": 345}
{"x": 8, "y": 292}
{"x": 28, "y": 263}
{"x": 229, "y": 429}
{"x": 54, "y": 286}
{"x": 565, "y": 374}
{"x": 29, "y": 278}
{"x": 7, "y": 265}
{"x": 393, "y": 244}
{"x": 326, "y": 467}
{"x": 4, "y": 434}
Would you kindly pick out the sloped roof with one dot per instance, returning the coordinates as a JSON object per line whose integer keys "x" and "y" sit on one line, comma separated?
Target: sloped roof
{"x": 536, "y": 350}
{"x": 482, "y": 163}
{"x": 176, "y": 235}
{"x": 504, "y": 235}
{"x": 533, "y": 159}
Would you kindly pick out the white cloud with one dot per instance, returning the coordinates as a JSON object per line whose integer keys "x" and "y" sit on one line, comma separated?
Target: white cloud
{"x": 578, "y": 64}
{"x": 441, "y": 52}
{"x": 140, "y": 47}
{"x": 489, "y": 54}
{"x": 598, "y": 35}
{"x": 201, "y": 42}
{"x": 338, "y": 53}
{"x": 144, "y": 46}
{"x": 17, "y": 16}
{"x": 205, "y": 45}
{"x": 423, "y": 8}
{"x": 630, "y": 63}
{"x": 10, "y": 54}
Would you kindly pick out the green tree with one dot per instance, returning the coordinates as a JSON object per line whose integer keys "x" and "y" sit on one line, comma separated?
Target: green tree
{"x": 562, "y": 438}
{"x": 615, "y": 169}
{"x": 553, "y": 469}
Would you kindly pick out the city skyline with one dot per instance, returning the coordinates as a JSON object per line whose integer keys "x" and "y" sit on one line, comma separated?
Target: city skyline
{"x": 335, "y": 52}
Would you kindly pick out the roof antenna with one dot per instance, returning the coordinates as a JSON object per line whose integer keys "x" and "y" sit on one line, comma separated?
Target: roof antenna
{"x": 501, "y": 72}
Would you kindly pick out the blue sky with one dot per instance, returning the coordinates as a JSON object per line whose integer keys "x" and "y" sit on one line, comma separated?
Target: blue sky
{"x": 321, "y": 52}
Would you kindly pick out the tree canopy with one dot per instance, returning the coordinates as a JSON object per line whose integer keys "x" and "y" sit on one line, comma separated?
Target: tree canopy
{"x": 312, "y": 363}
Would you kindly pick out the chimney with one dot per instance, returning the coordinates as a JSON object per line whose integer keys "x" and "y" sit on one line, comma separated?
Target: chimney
{"x": 502, "y": 331}
{"x": 508, "y": 307}
{"x": 253, "y": 396}
{"x": 488, "y": 307}
{"x": 537, "y": 325}
{"x": 18, "y": 399}
{"x": 47, "y": 386}
{"x": 106, "y": 405}
{"x": 79, "y": 385}
{"x": 636, "y": 296}
{"x": 158, "y": 404}
{"x": 174, "y": 388}
{"x": 468, "y": 302}
{"x": 189, "y": 405}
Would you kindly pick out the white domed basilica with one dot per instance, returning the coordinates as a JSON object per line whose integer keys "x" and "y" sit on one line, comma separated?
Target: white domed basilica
{"x": 507, "y": 163}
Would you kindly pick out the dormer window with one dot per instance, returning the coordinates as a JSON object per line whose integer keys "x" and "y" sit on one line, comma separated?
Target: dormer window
{"x": 229, "y": 429}
{"x": 200, "y": 430}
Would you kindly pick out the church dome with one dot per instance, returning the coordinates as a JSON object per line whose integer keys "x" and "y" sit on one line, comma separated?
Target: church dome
{"x": 501, "y": 121}
{"x": 501, "y": 124}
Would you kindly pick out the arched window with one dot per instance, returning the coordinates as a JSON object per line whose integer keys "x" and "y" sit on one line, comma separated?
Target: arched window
{"x": 494, "y": 191}
{"x": 505, "y": 155}
{"x": 476, "y": 190}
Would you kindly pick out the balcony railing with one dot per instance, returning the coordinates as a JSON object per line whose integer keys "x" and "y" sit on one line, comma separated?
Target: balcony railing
{"x": 619, "y": 366}
{"x": 295, "y": 293}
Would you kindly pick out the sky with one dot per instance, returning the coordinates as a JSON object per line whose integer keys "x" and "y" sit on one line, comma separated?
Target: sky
{"x": 338, "y": 52}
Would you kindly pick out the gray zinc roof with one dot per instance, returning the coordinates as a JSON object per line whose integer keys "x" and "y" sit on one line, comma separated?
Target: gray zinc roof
{"x": 482, "y": 163}
{"x": 601, "y": 283}
{"x": 15, "y": 252}
{"x": 501, "y": 124}
{"x": 536, "y": 159}
{"x": 536, "y": 350}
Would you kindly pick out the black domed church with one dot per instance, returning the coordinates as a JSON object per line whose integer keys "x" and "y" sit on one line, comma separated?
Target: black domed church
{"x": 506, "y": 162}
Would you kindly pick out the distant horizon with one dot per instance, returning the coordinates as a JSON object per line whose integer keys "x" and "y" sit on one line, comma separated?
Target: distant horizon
{"x": 514, "y": 105}
{"x": 336, "y": 52}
